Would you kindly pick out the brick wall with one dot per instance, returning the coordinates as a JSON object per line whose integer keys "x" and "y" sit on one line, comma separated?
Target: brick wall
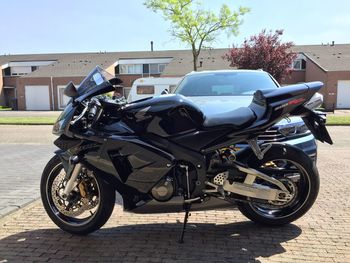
{"x": 332, "y": 85}
{"x": 296, "y": 76}
{"x": 2, "y": 97}
{"x": 23, "y": 81}
{"x": 10, "y": 94}
{"x": 63, "y": 81}
{"x": 314, "y": 73}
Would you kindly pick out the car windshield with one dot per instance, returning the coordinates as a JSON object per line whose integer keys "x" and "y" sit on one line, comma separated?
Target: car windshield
{"x": 233, "y": 83}
{"x": 97, "y": 78}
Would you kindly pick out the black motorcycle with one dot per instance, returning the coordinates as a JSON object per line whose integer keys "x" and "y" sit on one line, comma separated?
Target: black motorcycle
{"x": 162, "y": 155}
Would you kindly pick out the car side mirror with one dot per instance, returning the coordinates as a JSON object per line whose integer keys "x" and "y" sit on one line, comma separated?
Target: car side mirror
{"x": 70, "y": 90}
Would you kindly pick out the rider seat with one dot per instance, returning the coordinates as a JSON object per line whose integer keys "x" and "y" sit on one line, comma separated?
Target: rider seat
{"x": 238, "y": 119}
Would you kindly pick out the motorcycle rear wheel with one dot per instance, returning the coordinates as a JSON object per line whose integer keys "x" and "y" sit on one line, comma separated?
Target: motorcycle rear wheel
{"x": 71, "y": 220}
{"x": 295, "y": 162}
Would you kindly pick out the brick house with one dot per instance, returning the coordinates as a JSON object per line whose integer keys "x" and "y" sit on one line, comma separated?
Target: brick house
{"x": 36, "y": 82}
{"x": 329, "y": 64}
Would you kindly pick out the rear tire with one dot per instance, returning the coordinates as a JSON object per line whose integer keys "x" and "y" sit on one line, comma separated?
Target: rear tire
{"x": 306, "y": 195}
{"x": 70, "y": 224}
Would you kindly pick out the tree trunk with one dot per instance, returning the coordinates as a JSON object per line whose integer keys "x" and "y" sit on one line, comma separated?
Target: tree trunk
{"x": 195, "y": 56}
{"x": 195, "y": 60}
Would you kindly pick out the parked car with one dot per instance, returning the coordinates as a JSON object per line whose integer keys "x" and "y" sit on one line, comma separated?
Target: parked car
{"x": 217, "y": 92}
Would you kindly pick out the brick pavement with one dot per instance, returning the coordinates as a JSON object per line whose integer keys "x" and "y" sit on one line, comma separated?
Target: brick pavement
{"x": 21, "y": 167}
{"x": 24, "y": 152}
{"x": 322, "y": 235}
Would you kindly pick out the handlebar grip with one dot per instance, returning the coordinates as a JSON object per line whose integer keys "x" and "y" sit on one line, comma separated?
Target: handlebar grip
{"x": 92, "y": 112}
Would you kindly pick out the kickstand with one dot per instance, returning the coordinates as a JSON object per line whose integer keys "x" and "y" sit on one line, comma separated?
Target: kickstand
{"x": 187, "y": 214}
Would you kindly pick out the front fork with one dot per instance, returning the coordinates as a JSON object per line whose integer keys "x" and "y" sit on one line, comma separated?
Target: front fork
{"x": 72, "y": 166}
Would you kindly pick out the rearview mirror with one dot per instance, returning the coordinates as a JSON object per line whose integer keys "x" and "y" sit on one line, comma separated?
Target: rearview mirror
{"x": 71, "y": 90}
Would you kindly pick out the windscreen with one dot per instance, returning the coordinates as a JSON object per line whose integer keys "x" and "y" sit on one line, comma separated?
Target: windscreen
{"x": 225, "y": 84}
{"x": 97, "y": 79}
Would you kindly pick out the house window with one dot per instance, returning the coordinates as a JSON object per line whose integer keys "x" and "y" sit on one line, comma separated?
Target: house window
{"x": 62, "y": 99}
{"x": 7, "y": 71}
{"x": 20, "y": 70}
{"x": 161, "y": 67}
{"x": 299, "y": 64}
{"x": 172, "y": 88}
{"x": 145, "y": 68}
{"x": 130, "y": 69}
{"x": 157, "y": 68}
{"x": 154, "y": 68}
{"x": 145, "y": 90}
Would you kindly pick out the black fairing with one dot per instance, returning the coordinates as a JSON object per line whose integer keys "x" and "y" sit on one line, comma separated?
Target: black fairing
{"x": 134, "y": 162}
{"x": 165, "y": 116}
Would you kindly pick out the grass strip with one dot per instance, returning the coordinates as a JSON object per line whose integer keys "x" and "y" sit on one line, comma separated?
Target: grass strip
{"x": 338, "y": 120}
{"x": 28, "y": 120}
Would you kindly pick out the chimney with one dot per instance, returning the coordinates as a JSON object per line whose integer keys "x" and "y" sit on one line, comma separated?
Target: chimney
{"x": 332, "y": 43}
{"x": 152, "y": 46}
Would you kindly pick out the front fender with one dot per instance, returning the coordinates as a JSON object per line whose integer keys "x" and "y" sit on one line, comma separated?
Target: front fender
{"x": 64, "y": 157}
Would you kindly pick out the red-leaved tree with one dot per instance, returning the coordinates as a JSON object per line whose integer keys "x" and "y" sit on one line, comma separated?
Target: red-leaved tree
{"x": 264, "y": 51}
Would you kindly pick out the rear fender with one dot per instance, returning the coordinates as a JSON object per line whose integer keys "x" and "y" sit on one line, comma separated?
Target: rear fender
{"x": 316, "y": 122}
{"x": 247, "y": 157}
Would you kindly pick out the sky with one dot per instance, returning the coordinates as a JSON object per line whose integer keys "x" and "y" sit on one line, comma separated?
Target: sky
{"x": 51, "y": 26}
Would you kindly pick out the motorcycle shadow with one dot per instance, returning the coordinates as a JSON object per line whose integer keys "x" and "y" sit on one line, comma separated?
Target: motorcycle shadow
{"x": 236, "y": 242}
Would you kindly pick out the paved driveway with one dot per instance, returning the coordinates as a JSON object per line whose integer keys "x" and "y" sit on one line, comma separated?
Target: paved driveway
{"x": 24, "y": 152}
{"x": 322, "y": 235}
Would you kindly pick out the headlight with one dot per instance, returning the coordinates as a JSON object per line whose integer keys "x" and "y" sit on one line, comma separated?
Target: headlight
{"x": 293, "y": 129}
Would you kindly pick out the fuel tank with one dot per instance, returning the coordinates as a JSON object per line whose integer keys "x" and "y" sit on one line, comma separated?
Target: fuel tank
{"x": 166, "y": 115}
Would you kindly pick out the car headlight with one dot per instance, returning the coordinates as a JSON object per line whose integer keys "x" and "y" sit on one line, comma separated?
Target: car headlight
{"x": 293, "y": 129}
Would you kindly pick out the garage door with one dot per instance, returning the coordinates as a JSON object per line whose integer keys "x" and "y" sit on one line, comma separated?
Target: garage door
{"x": 343, "y": 94}
{"x": 37, "y": 97}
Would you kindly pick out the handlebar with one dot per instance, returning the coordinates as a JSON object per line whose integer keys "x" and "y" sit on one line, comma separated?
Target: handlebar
{"x": 80, "y": 116}
{"x": 91, "y": 108}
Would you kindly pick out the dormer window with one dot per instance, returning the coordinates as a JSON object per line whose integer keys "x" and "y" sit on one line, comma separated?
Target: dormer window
{"x": 7, "y": 71}
{"x": 20, "y": 68}
{"x": 144, "y": 66}
{"x": 299, "y": 64}
{"x": 130, "y": 69}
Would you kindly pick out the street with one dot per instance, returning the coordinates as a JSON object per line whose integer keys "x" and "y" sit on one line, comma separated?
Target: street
{"x": 322, "y": 235}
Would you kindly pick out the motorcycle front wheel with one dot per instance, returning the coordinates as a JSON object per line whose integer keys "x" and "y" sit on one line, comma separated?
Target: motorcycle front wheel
{"x": 297, "y": 172}
{"x": 87, "y": 208}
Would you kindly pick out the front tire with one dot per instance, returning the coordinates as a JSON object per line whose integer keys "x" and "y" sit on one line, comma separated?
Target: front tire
{"x": 306, "y": 189}
{"x": 68, "y": 220}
